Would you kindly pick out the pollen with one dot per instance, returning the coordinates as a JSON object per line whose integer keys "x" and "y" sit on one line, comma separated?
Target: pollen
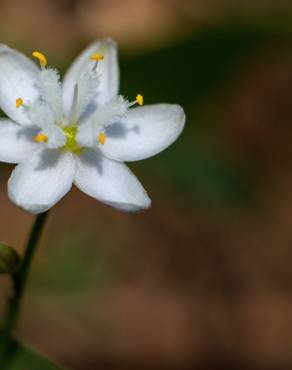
{"x": 19, "y": 102}
{"x": 97, "y": 57}
{"x": 139, "y": 99}
{"x": 101, "y": 138}
{"x": 41, "y": 138}
{"x": 41, "y": 57}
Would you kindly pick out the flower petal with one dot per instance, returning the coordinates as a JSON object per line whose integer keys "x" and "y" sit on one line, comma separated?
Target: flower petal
{"x": 109, "y": 182}
{"x": 108, "y": 114}
{"x": 42, "y": 116}
{"x": 107, "y": 69}
{"x": 51, "y": 92}
{"x": 18, "y": 79}
{"x": 16, "y": 142}
{"x": 144, "y": 132}
{"x": 38, "y": 183}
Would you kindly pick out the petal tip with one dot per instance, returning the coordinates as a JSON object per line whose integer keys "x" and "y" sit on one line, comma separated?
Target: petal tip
{"x": 105, "y": 44}
{"x": 180, "y": 113}
{"x": 141, "y": 206}
{"x": 31, "y": 208}
{"x": 130, "y": 208}
{"x": 107, "y": 41}
{"x": 180, "y": 118}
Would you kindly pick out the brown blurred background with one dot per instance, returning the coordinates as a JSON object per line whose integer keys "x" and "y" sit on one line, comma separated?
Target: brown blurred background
{"x": 203, "y": 280}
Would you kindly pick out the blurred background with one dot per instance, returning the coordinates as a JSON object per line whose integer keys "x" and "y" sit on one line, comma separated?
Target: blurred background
{"x": 203, "y": 280}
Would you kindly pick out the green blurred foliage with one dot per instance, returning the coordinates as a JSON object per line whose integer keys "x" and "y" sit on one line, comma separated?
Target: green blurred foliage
{"x": 190, "y": 74}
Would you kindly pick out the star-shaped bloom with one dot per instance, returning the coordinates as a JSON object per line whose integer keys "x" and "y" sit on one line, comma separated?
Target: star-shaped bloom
{"x": 79, "y": 132}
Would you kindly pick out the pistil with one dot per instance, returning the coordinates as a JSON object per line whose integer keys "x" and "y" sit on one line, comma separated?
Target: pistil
{"x": 71, "y": 143}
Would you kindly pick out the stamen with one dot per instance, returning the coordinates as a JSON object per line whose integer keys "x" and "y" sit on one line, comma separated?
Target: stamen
{"x": 41, "y": 138}
{"x": 101, "y": 138}
{"x": 18, "y": 103}
{"x": 41, "y": 57}
{"x": 140, "y": 99}
{"x": 97, "y": 57}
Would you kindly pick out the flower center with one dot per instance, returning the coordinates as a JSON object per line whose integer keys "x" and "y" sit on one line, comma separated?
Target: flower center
{"x": 71, "y": 143}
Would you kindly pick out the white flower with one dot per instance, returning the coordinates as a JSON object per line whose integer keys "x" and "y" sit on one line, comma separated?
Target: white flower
{"x": 78, "y": 133}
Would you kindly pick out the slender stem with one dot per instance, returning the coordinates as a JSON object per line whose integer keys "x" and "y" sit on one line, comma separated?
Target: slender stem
{"x": 19, "y": 282}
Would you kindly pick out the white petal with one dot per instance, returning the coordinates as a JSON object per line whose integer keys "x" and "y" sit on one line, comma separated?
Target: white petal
{"x": 110, "y": 182}
{"x": 18, "y": 79}
{"x": 144, "y": 132}
{"x": 38, "y": 183}
{"x": 16, "y": 142}
{"x": 108, "y": 71}
{"x": 51, "y": 92}
{"x": 109, "y": 113}
{"x": 83, "y": 95}
{"x": 42, "y": 116}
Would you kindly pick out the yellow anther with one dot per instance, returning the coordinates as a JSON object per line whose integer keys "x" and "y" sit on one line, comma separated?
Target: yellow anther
{"x": 41, "y": 57}
{"x": 19, "y": 102}
{"x": 140, "y": 99}
{"x": 97, "y": 57}
{"x": 41, "y": 138}
{"x": 101, "y": 138}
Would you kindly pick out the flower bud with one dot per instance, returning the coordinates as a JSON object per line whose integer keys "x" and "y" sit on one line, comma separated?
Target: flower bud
{"x": 9, "y": 260}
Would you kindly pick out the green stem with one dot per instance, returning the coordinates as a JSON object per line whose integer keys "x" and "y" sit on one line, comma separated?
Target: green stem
{"x": 19, "y": 282}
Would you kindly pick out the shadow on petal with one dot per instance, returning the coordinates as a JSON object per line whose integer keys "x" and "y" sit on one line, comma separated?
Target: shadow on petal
{"x": 90, "y": 109}
{"x": 27, "y": 133}
{"x": 92, "y": 158}
{"x": 49, "y": 158}
{"x": 118, "y": 130}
